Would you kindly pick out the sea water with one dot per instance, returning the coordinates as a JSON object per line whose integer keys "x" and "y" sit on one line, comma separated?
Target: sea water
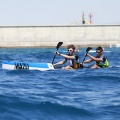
{"x": 83, "y": 94}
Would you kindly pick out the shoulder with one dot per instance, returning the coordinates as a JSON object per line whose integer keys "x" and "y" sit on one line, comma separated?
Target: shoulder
{"x": 103, "y": 58}
{"x": 76, "y": 56}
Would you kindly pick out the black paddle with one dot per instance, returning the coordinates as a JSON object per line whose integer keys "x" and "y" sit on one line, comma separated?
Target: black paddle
{"x": 87, "y": 50}
{"x": 57, "y": 47}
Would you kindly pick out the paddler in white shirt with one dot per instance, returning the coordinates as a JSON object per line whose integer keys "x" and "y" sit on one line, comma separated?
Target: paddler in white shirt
{"x": 71, "y": 58}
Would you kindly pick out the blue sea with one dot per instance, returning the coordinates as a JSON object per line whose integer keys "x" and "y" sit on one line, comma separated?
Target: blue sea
{"x": 83, "y": 94}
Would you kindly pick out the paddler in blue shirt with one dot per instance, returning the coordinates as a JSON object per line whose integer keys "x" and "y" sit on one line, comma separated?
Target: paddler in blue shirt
{"x": 71, "y": 58}
{"x": 101, "y": 61}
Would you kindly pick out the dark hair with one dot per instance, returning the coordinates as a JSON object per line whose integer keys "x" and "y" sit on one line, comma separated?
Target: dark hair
{"x": 99, "y": 48}
{"x": 71, "y": 46}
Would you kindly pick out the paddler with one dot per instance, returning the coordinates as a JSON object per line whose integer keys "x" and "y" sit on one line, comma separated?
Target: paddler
{"x": 101, "y": 61}
{"x": 71, "y": 58}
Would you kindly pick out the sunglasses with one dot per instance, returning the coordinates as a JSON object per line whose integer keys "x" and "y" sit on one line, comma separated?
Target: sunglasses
{"x": 98, "y": 52}
{"x": 70, "y": 50}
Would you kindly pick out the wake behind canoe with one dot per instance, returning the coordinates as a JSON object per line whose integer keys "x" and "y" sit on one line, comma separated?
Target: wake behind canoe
{"x": 11, "y": 65}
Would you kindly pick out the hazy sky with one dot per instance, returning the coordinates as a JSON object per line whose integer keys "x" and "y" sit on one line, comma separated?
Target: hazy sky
{"x": 58, "y": 12}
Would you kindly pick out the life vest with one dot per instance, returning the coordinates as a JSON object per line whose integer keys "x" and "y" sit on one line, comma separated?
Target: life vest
{"x": 103, "y": 63}
{"x": 75, "y": 63}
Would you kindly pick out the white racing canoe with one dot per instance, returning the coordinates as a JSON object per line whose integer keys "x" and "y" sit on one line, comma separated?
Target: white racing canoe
{"x": 11, "y": 65}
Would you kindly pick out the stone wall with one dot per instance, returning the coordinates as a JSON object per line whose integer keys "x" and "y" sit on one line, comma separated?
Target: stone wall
{"x": 49, "y": 36}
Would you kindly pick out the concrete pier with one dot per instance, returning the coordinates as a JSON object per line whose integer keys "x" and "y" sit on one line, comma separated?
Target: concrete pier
{"x": 49, "y": 36}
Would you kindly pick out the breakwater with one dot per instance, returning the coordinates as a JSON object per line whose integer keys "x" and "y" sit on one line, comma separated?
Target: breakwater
{"x": 49, "y": 36}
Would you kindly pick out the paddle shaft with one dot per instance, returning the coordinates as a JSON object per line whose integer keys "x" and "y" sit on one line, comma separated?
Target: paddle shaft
{"x": 87, "y": 50}
{"x": 84, "y": 58}
{"x": 53, "y": 59}
{"x": 58, "y": 46}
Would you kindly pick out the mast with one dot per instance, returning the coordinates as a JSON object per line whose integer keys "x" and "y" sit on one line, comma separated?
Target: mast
{"x": 83, "y": 18}
{"x": 90, "y": 16}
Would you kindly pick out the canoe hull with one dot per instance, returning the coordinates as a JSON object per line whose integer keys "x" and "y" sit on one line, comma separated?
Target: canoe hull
{"x": 11, "y": 65}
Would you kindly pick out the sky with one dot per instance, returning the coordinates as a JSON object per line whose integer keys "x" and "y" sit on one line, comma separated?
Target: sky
{"x": 58, "y": 12}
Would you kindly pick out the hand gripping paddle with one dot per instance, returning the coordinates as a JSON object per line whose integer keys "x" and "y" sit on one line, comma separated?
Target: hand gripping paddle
{"x": 57, "y": 47}
{"x": 87, "y": 50}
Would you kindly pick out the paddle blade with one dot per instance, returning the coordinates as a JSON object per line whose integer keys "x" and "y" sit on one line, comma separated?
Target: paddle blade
{"x": 88, "y": 49}
{"x": 58, "y": 45}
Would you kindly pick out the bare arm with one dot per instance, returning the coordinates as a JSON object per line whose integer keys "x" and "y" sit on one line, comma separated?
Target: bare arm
{"x": 88, "y": 61}
{"x": 59, "y": 63}
{"x": 94, "y": 58}
{"x": 65, "y": 56}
